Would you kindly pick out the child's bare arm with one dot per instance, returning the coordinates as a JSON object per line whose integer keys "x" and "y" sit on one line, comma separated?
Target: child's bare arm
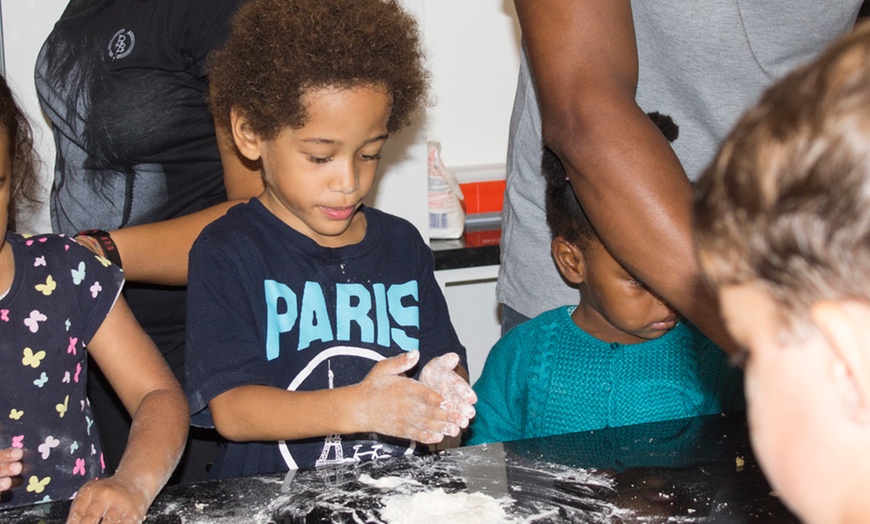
{"x": 160, "y": 414}
{"x": 385, "y": 402}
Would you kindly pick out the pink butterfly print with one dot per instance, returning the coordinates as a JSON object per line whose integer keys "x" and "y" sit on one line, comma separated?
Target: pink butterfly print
{"x": 46, "y": 447}
{"x": 34, "y": 319}
{"x": 39, "y": 261}
{"x": 4, "y": 315}
{"x": 80, "y": 467}
{"x": 95, "y": 289}
{"x": 72, "y": 345}
{"x": 18, "y": 441}
{"x": 78, "y": 372}
{"x": 31, "y": 241}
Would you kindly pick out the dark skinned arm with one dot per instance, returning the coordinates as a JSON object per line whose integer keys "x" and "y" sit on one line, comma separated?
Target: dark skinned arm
{"x": 583, "y": 56}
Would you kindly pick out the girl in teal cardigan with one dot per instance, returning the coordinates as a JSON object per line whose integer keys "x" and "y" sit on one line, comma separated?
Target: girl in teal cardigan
{"x": 619, "y": 357}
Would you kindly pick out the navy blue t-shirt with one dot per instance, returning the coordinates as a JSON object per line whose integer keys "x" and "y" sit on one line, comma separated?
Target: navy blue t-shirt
{"x": 267, "y": 305}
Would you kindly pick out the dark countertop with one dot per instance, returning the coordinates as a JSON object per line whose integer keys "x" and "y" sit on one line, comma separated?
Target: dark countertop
{"x": 478, "y": 245}
{"x": 690, "y": 470}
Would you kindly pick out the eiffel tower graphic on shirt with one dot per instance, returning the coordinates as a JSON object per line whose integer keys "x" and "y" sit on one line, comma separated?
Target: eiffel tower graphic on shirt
{"x": 332, "y": 452}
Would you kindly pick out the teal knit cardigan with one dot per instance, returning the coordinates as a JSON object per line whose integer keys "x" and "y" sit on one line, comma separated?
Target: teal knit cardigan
{"x": 547, "y": 377}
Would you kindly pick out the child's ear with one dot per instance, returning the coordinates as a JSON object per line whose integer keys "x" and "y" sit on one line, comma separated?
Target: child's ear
{"x": 569, "y": 259}
{"x": 844, "y": 325}
{"x": 244, "y": 137}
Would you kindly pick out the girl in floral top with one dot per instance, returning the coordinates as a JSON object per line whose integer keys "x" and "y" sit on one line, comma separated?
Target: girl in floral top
{"x": 58, "y": 301}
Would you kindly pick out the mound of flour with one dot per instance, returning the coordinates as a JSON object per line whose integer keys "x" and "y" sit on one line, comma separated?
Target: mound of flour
{"x": 438, "y": 506}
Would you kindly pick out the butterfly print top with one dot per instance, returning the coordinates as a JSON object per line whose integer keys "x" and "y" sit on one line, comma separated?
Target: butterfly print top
{"x": 59, "y": 297}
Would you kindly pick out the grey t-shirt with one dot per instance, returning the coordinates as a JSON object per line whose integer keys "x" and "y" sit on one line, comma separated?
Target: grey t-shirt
{"x": 701, "y": 62}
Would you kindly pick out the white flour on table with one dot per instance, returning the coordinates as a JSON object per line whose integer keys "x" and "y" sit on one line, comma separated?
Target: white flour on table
{"x": 438, "y": 506}
{"x": 387, "y": 482}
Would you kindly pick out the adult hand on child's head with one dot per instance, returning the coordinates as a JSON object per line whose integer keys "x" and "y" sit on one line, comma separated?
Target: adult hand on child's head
{"x": 440, "y": 375}
{"x": 396, "y": 405}
{"x": 10, "y": 466}
{"x": 110, "y": 499}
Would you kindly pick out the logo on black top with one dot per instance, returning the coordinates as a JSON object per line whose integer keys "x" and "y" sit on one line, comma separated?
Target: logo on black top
{"x": 121, "y": 44}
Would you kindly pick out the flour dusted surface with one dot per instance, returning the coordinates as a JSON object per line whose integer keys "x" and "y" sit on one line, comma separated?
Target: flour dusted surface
{"x": 438, "y": 506}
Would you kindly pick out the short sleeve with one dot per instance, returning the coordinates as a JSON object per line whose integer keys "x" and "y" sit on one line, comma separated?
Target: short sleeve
{"x": 96, "y": 285}
{"x": 222, "y": 331}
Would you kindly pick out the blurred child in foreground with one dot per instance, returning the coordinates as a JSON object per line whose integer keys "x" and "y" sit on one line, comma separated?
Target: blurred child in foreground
{"x": 782, "y": 223}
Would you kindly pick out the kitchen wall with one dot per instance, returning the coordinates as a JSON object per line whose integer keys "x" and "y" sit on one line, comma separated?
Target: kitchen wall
{"x": 474, "y": 51}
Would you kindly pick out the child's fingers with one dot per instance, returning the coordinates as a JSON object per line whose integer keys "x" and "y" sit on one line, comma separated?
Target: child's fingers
{"x": 409, "y": 409}
{"x": 433, "y": 431}
{"x": 447, "y": 361}
{"x": 438, "y": 374}
{"x": 10, "y": 466}
{"x": 464, "y": 398}
{"x": 11, "y": 455}
{"x": 396, "y": 365}
{"x": 434, "y": 420}
{"x": 107, "y": 501}
{"x": 457, "y": 390}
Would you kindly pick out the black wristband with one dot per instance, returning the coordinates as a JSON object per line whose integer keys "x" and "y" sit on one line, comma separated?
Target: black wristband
{"x": 110, "y": 250}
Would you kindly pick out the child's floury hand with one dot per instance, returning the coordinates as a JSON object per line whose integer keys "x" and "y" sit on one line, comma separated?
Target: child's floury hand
{"x": 440, "y": 375}
{"x": 402, "y": 407}
{"x": 110, "y": 499}
{"x": 10, "y": 466}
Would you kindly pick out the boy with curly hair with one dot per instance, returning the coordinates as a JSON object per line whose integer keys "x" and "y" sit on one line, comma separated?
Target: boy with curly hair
{"x": 317, "y": 332}
{"x": 782, "y": 222}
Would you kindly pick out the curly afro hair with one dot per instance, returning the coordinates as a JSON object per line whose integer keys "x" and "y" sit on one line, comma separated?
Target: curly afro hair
{"x": 278, "y": 50}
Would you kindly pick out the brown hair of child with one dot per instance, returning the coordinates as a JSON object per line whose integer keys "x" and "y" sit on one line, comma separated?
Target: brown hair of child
{"x": 786, "y": 203}
{"x": 14, "y": 124}
{"x": 281, "y": 49}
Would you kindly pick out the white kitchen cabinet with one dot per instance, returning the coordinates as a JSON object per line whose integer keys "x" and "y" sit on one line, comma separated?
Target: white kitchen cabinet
{"x": 474, "y": 310}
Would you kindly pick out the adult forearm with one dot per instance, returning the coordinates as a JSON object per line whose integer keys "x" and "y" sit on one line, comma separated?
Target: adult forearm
{"x": 624, "y": 172}
{"x": 635, "y": 192}
{"x": 157, "y": 253}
